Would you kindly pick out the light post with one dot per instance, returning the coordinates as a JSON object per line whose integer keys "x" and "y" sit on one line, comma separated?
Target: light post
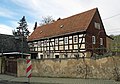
{"x": 2, "y": 56}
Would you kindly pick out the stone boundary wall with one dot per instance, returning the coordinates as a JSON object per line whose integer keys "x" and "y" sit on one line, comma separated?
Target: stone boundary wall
{"x": 105, "y": 68}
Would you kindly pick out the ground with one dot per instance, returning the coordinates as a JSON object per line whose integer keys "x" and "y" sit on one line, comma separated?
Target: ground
{"x": 6, "y": 79}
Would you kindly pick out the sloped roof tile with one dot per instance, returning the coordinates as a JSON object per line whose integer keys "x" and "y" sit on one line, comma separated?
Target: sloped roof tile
{"x": 75, "y": 23}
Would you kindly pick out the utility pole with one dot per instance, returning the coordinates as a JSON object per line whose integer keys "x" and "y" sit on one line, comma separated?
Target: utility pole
{"x": 22, "y": 47}
{"x": 2, "y": 57}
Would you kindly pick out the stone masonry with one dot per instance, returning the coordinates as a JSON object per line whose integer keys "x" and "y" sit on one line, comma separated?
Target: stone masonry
{"x": 105, "y": 68}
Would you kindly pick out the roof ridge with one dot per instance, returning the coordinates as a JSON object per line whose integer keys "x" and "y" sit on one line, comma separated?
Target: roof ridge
{"x": 70, "y": 16}
{"x": 80, "y": 13}
{"x": 78, "y": 22}
{"x": 92, "y": 17}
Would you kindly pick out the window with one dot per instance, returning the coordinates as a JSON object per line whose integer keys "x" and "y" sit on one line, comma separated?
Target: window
{"x": 30, "y": 44}
{"x": 75, "y": 39}
{"x": 61, "y": 26}
{"x": 101, "y": 41}
{"x": 93, "y": 40}
{"x": 56, "y": 56}
{"x": 41, "y": 56}
{"x": 65, "y": 55}
{"x": 45, "y": 42}
{"x": 56, "y": 41}
{"x": 66, "y": 40}
{"x": 76, "y": 55}
{"x": 39, "y": 43}
{"x": 97, "y": 25}
{"x": 35, "y": 44}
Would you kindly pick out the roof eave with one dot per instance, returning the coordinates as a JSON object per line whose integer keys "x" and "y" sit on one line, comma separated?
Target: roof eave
{"x": 83, "y": 31}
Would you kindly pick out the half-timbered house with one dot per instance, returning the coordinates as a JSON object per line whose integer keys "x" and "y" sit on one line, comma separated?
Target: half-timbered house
{"x": 75, "y": 36}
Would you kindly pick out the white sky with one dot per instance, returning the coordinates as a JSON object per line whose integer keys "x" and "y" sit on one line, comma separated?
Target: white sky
{"x": 11, "y": 11}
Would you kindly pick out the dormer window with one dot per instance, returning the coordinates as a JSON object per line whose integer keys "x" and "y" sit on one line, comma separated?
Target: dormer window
{"x": 61, "y": 26}
{"x": 97, "y": 25}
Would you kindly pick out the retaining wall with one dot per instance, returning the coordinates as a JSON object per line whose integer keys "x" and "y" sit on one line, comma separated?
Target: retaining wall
{"x": 105, "y": 68}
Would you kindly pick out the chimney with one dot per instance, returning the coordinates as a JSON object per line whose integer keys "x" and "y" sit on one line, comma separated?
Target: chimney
{"x": 59, "y": 19}
{"x": 35, "y": 25}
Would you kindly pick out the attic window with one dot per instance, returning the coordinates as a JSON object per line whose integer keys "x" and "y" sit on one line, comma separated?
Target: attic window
{"x": 97, "y": 25}
{"x": 41, "y": 32}
{"x": 61, "y": 26}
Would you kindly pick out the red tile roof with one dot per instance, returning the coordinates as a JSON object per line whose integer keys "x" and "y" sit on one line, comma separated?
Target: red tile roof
{"x": 75, "y": 23}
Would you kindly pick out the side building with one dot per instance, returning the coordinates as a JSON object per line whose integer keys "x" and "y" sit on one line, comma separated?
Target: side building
{"x": 10, "y": 44}
{"x": 76, "y": 36}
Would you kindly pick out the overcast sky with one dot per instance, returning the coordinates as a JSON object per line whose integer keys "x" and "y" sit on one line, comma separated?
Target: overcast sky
{"x": 11, "y": 11}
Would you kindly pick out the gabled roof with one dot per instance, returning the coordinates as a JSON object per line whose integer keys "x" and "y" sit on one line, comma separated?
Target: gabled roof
{"x": 72, "y": 24}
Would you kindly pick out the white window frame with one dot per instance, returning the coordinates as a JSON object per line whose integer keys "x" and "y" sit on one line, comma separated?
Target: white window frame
{"x": 97, "y": 25}
{"x": 101, "y": 41}
{"x": 56, "y": 41}
{"x": 39, "y": 43}
{"x": 75, "y": 38}
{"x": 35, "y": 44}
{"x": 93, "y": 40}
{"x": 66, "y": 40}
{"x": 45, "y": 42}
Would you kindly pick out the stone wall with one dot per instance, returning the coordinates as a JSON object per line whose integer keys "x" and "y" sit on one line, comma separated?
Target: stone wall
{"x": 105, "y": 68}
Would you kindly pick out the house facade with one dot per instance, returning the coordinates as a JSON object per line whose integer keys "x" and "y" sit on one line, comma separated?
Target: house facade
{"x": 76, "y": 36}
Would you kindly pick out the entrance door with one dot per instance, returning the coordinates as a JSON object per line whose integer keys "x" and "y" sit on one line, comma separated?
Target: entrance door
{"x": 11, "y": 66}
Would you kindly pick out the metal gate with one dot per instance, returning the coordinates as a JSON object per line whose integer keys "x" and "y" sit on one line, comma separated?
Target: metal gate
{"x": 11, "y": 66}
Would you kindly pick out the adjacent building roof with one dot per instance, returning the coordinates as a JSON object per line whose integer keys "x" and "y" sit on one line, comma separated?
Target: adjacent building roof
{"x": 8, "y": 43}
{"x": 72, "y": 24}
{"x": 13, "y": 53}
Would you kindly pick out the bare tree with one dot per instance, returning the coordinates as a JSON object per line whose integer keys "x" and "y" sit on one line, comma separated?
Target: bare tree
{"x": 46, "y": 20}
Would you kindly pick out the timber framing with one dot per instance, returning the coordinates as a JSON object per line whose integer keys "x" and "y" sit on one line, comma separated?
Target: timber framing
{"x": 49, "y": 45}
{"x": 80, "y": 35}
